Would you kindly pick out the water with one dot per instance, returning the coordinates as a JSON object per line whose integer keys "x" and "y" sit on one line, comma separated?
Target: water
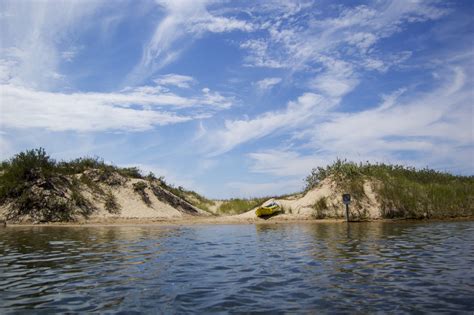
{"x": 285, "y": 268}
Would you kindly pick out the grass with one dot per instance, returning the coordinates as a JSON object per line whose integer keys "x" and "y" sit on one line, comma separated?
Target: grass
{"x": 37, "y": 185}
{"x": 238, "y": 205}
{"x": 404, "y": 192}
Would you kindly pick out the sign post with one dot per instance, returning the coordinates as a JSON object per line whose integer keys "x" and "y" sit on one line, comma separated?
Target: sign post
{"x": 346, "y": 199}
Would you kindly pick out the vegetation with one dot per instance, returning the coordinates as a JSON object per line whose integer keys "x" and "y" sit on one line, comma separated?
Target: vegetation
{"x": 110, "y": 203}
{"x": 36, "y": 186}
{"x": 80, "y": 165}
{"x": 189, "y": 196}
{"x": 39, "y": 187}
{"x": 139, "y": 188}
{"x": 320, "y": 207}
{"x": 237, "y": 206}
{"x": 404, "y": 192}
{"x": 32, "y": 182}
{"x": 24, "y": 167}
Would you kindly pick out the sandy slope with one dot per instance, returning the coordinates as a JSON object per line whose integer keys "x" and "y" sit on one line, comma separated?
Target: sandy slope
{"x": 302, "y": 206}
{"x": 296, "y": 207}
{"x": 132, "y": 206}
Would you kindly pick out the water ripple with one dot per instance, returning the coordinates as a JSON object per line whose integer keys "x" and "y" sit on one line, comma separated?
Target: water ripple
{"x": 290, "y": 268}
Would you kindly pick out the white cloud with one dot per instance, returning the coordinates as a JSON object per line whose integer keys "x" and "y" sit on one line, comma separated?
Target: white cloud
{"x": 70, "y": 54}
{"x": 218, "y": 24}
{"x": 433, "y": 128}
{"x": 260, "y": 55}
{"x": 362, "y": 40}
{"x": 184, "y": 19}
{"x": 182, "y": 81}
{"x": 31, "y": 33}
{"x": 296, "y": 115}
{"x": 337, "y": 80}
{"x": 267, "y": 83}
{"x": 280, "y": 162}
{"x": 132, "y": 109}
{"x": 433, "y": 117}
{"x": 301, "y": 42}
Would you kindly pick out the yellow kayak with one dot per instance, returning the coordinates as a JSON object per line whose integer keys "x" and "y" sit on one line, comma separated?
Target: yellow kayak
{"x": 267, "y": 210}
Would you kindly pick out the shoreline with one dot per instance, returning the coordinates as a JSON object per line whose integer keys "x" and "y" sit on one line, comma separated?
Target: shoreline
{"x": 223, "y": 220}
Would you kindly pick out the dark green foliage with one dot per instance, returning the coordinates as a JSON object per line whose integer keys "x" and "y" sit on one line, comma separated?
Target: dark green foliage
{"x": 84, "y": 206}
{"x": 92, "y": 185}
{"x": 110, "y": 203}
{"x": 237, "y": 205}
{"x": 23, "y": 167}
{"x": 320, "y": 207}
{"x": 404, "y": 192}
{"x": 139, "y": 188}
{"x": 150, "y": 177}
{"x": 132, "y": 172}
{"x": 39, "y": 187}
{"x": 80, "y": 165}
{"x": 189, "y": 196}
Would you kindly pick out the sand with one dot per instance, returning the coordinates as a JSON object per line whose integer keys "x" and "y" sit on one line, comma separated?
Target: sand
{"x": 133, "y": 210}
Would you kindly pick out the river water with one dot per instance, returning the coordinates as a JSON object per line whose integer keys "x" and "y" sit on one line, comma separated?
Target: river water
{"x": 282, "y": 268}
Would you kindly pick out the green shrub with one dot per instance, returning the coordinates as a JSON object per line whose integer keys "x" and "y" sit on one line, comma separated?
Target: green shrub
{"x": 111, "y": 204}
{"x": 139, "y": 188}
{"x": 80, "y": 165}
{"x": 238, "y": 205}
{"x": 77, "y": 198}
{"x": 24, "y": 167}
{"x": 93, "y": 186}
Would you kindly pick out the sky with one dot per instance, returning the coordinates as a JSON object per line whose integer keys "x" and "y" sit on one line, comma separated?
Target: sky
{"x": 239, "y": 98}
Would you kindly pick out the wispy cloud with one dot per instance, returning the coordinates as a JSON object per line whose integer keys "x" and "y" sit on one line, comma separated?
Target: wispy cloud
{"x": 420, "y": 123}
{"x": 384, "y": 81}
{"x": 283, "y": 163}
{"x": 133, "y": 109}
{"x": 336, "y": 80}
{"x": 70, "y": 54}
{"x": 296, "y": 115}
{"x": 298, "y": 40}
{"x": 183, "y": 19}
{"x": 416, "y": 129}
{"x": 182, "y": 81}
{"x": 267, "y": 83}
{"x": 320, "y": 47}
{"x": 31, "y": 34}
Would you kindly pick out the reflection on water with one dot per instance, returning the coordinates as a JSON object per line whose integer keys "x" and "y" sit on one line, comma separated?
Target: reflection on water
{"x": 402, "y": 267}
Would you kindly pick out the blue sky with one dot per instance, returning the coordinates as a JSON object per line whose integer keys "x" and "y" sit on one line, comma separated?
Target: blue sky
{"x": 239, "y": 98}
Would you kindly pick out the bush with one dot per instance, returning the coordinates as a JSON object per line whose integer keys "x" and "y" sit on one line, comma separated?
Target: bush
{"x": 139, "y": 188}
{"x": 111, "y": 204}
{"x": 23, "y": 167}
{"x": 80, "y": 165}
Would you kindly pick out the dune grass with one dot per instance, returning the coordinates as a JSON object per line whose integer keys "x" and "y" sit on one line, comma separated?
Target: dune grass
{"x": 240, "y": 205}
{"x": 404, "y": 192}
